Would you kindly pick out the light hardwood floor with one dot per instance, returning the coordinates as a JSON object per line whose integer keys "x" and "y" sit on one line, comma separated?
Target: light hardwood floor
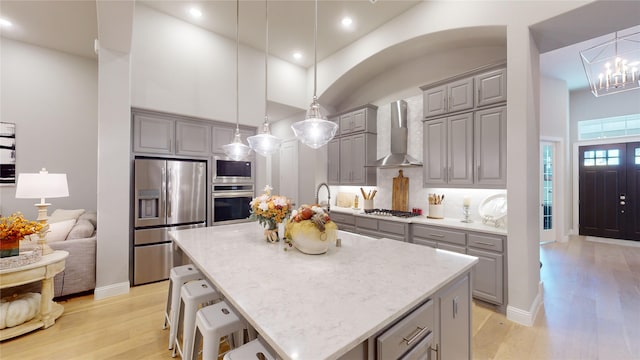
{"x": 591, "y": 311}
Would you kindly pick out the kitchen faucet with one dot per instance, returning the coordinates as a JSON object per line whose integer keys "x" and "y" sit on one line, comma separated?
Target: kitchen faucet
{"x": 328, "y": 195}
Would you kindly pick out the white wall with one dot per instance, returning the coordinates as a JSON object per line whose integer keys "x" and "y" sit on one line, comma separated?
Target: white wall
{"x": 180, "y": 68}
{"x": 52, "y": 98}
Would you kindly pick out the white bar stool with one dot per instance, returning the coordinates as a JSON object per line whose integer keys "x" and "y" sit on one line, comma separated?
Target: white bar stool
{"x": 253, "y": 350}
{"x": 212, "y": 323}
{"x": 178, "y": 276}
{"x": 193, "y": 296}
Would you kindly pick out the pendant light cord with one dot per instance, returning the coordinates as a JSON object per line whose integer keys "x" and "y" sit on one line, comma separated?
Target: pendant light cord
{"x": 237, "y": 65}
{"x": 266, "y": 55}
{"x": 315, "y": 51}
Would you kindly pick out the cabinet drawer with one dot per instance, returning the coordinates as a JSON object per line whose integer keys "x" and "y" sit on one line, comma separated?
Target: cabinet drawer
{"x": 343, "y": 218}
{"x": 486, "y": 242}
{"x": 405, "y": 334}
{"x": 371, "y": 224}
{"x": 425, "y": 242}
{"x": 438, "y": 234}
{"x": 392, "y": 227}
{"x": 420, "y": 351}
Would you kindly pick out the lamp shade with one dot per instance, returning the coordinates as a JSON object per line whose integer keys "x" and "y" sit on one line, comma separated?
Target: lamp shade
{"x": 42, "y": 185}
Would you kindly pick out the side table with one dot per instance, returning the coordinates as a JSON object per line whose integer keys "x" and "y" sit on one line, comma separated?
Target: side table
{"x": 43, "y": 270}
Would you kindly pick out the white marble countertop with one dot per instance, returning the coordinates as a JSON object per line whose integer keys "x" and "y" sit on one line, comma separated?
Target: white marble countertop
{"x": 446, "y": 222}
{"x": 318, "y": 306}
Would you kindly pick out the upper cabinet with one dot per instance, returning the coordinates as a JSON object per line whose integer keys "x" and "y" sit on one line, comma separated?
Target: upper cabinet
{"x": 361, "y": 120}
{"x": 157, "y": 133}
{"x": 153, "y": 134}
{"x": 465, "y": 138}
{"x": 448, "y": 98}
{"x": 353, "y": 148}
{"x": 491, "y": 87}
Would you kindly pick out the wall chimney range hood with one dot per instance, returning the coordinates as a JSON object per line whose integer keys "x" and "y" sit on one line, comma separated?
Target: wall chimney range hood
{"x": 399, "y": 135}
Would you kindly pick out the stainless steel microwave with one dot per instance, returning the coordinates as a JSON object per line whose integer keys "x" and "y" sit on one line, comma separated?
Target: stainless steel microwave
{"x": 227, "y": 171}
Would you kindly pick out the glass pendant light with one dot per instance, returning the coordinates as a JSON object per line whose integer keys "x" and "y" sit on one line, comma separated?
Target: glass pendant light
{"x": 264, "y": 143}
{"x": 237, "y": 150}
{"x": 315, "y": 131}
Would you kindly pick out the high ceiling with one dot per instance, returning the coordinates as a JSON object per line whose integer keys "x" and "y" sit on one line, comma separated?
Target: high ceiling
{"x": 71, "y": 26}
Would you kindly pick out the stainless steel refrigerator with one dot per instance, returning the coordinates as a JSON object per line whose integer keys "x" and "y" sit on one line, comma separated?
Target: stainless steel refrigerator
{"x": 167, "y": 195}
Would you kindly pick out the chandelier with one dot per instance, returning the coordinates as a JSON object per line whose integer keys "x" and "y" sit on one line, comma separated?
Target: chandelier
{"x": 613, "y": 66}
{"x": 264, "y": 143}
{"x": 237, "y": 150}
{"x": 315, "y": 131}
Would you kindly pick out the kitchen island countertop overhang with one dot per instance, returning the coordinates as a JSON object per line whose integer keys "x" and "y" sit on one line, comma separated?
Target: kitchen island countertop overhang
{"x": 318, "y": 306}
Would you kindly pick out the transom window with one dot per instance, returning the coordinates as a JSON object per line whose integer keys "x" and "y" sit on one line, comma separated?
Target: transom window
{"x": 603, "y": 157}
{"x": 637, "y": 157}
{"x": 617, "y": 126}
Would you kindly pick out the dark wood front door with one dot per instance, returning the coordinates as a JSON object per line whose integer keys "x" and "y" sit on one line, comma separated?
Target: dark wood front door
{"x": 609, "y": 191}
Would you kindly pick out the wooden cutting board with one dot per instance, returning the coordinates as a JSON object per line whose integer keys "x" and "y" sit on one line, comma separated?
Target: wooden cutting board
{"x": 400, "y": 194}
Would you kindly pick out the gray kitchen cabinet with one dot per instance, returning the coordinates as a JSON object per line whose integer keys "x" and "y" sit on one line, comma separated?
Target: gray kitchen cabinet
{"x": 448, "y": 150}
{"x": 356, "y": 151}
{"x": 440, "y": 238}
{"x": 346, "y": 222}
{"x": 451, "y": 97}
{"x": 153, "y": 134}
{"x": 333, "y": 161}
{"x": 222, "y": 135}
{"x": 454, "y": 340}
{"x": 193, "y": 138}
{"x": 488, "y": 274}
{"x": 359, "y": 120}
{"x": 491, "y": 87}
{"x": 490, "y": 147}
{"x": 378, "y": 228}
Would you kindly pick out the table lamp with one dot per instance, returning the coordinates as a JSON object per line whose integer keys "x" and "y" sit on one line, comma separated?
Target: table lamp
{"x": 40, "y": 186}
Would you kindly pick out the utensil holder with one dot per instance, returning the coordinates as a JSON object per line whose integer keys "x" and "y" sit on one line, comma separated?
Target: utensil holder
{"x": 436, "y": 211}
{"x": 368, "y": 204}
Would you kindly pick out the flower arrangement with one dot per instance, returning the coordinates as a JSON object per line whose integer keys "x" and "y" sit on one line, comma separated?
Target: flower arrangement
{"x": 14, "y": 228}
{"x": 270, "y": 210}
{"x": 310, "y": 230}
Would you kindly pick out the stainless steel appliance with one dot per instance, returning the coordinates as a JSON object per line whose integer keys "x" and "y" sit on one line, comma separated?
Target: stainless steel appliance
{"x": 230, "y": 171}
{"x": 399, "y": 139}
{"x": 167, "y": 195}
{"x": 230, "y": 203}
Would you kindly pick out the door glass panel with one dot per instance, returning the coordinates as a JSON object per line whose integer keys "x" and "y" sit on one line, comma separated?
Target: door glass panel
{"x": 601, "y": 161}
{"x": 547, "y": 186}
{"x": 637, "y": 156}
{"x": 613, "y": 161}
{"x": 589, "y": 162}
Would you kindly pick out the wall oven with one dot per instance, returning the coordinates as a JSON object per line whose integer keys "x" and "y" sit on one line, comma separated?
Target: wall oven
{"x": 230, "y": 203}
{"x": 227, "y": 171}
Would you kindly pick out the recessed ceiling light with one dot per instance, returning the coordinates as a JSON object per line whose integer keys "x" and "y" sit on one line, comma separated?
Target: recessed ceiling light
{"x": 297, "y": 55}
{"x": 346, "y": 21}
{"x": 5, "y": 23}
{"x": 196, "y": 13}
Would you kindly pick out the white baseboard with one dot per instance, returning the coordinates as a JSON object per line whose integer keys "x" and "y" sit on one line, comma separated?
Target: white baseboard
{"x": 111, "y": 290}
{"x": 613, "y": 241}
{"x": 524, "y": 317}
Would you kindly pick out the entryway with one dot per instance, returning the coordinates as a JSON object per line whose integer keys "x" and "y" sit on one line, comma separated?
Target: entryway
{"x": 609, "y": 190}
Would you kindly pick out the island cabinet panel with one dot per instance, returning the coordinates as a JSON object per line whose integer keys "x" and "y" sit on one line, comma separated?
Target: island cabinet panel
{"x": 411, "y": 330}
{"x": 455, "y": 319}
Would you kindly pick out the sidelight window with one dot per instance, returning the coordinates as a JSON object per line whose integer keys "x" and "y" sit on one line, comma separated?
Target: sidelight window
{"x": 602, "y": 157}
{"x": 637, "y": 156}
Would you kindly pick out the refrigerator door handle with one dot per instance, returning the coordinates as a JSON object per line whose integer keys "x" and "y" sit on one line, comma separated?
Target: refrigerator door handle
{"x": 169, "y": 187}
{"x": 163, "y": 192}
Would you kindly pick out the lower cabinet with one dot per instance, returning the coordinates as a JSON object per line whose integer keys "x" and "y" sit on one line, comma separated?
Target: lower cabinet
{"x": 382, "y": 228}
{"x": 489, "y": 275}
{"x": 345, "y": 222}
{"x": 439, "y": 328}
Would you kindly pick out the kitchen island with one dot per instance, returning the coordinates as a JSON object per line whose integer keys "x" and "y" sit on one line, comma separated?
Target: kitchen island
{"x": 342, "y": 303}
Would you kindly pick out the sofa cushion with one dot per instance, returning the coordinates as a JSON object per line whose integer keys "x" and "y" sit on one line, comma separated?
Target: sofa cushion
{"x": 82, "y": 229}
{"x": 58, "y": 231}
{"x": 61, "y": 214}
{"x": 92, "y": 216}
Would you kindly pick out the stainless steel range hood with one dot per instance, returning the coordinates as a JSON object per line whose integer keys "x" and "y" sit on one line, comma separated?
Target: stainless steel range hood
{"x": 399, "y": 135}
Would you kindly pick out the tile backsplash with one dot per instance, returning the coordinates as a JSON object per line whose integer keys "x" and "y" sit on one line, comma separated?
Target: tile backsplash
{"x": 418, "y": 196}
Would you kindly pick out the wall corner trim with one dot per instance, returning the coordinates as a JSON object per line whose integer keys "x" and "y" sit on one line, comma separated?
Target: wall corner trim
{"x": 104, "y": 292}
{"x": 524, "y": 317}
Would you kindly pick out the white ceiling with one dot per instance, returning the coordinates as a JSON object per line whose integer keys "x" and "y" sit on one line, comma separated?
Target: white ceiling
{"x": 71, "y": 26}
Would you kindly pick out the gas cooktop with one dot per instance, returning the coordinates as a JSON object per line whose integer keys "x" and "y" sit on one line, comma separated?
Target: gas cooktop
{"x": 387, "y": 212}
